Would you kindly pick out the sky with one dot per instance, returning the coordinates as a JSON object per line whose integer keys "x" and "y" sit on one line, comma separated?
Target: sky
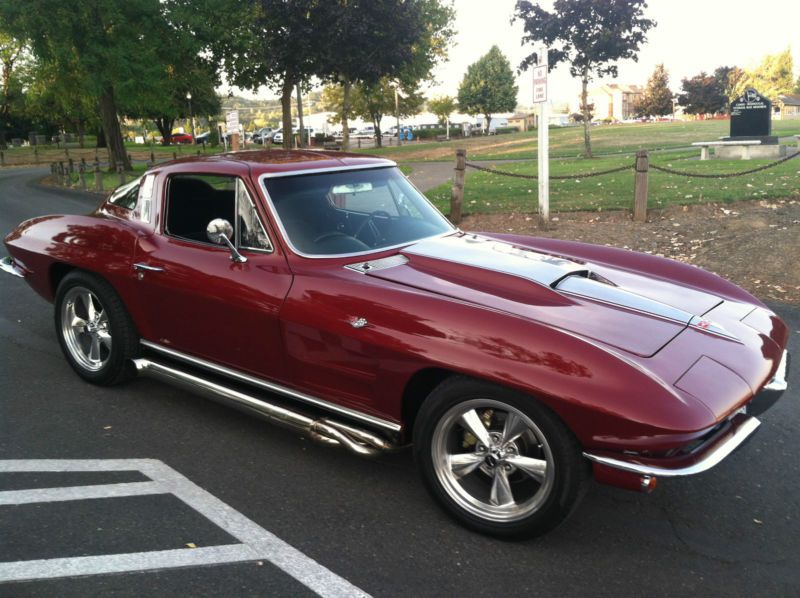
{"x": 690, "y": 36}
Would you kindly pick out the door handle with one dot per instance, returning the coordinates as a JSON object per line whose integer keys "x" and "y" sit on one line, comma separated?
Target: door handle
{"x": 142, "y": 267}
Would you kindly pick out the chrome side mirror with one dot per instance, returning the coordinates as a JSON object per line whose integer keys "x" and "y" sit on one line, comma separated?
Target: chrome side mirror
{"x": 220, "y": 231}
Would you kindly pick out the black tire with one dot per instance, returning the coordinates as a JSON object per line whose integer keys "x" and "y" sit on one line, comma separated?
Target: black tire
{"x": 543, "y": 504}
{"x": 113, "y": 365}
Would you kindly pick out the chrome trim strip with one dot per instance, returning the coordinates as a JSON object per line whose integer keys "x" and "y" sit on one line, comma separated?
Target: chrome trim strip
{"x": 141, "y": 266}
{"x": 710, "y": 460}
{"x": 277, "y": 175}
{"x": 9, "y": 266}
{"x": 276, "y": 218}
{"x": 276, "y": 388}
{"x": 779, "y": 382}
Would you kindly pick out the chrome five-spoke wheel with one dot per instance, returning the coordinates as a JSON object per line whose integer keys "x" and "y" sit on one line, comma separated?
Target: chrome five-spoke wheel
{"x": 85, "y": 328}
{"x": 493, "y": 460}
{"x": 498, "y": 460}
{"x": 95, "y": 331}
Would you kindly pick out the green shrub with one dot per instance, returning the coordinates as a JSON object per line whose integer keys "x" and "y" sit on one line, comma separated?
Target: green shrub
{"x": 505, "y": 130}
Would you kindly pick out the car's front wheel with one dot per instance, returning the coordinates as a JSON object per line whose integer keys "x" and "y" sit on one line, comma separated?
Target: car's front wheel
{"x": 499, "y": 461}
{"x": 94, "y": 329}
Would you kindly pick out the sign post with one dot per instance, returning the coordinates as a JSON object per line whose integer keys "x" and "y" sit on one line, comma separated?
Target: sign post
{"x": 540, "y": 97}
{"x": 232, "y": 128}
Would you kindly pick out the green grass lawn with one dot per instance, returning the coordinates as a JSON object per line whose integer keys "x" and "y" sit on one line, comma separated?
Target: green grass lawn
{"x": 487, "y": 192}
{"x": 568, "y": 141}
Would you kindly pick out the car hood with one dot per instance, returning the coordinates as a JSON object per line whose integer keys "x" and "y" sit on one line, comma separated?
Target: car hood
{"x": 614, "y": 306}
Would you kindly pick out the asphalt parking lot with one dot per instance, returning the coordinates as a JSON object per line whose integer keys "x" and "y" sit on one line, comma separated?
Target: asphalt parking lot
{"x": 212, "y": 502}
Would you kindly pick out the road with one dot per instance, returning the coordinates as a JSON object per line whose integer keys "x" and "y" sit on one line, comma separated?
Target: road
{"x": 732, "y": 531}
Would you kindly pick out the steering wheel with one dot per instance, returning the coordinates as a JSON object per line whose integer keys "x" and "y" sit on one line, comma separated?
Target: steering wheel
{"x": 370, "y": 221}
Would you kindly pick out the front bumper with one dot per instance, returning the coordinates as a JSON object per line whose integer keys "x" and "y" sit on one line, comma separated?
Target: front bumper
{"x": 10, "y": 266}
{"x": 726, "y": 440}
{"x": 773, "y": 390}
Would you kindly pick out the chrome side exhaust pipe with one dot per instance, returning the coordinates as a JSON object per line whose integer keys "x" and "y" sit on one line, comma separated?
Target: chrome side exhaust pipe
{"x": 356, "y": 440}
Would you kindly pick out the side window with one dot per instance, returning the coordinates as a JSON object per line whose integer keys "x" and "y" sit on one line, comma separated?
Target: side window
{"x": 127, "y": 195}
{"x": 194, "y": 200}
{"x": 249, "y": 230}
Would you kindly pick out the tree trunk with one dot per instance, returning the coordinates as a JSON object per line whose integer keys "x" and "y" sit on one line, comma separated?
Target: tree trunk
{"x": 587, "y": 117}
{"x": 101, "y": 137}
{"x": 116, "y": 146}
{"x": 164, "y": 125}
{"x": 376, "y": 123}
{"x": 347, "y": 87}
{"x": 488, "y": 121}
{"x": 300, "y": 117}
{"x": 286, "y": 108}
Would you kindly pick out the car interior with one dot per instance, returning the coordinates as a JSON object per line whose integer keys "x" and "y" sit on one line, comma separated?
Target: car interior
{"x": 192, "y": 203}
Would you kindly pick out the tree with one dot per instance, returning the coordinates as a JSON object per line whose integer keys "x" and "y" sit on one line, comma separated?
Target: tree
{"x": 333, "y": 101}
{"x": 115, "y": 44}
{"x": 442, "y": 107}
{"x": 797, "y": 85}
{"x": 772, "y": 78}
{"x": 182, "y": 71}
{"x": 12, "y": 56}
{"x": 589, "y": 35}
{"x": 488, "y": 86}
{"x": 727, "y": 79}
{"x": 372, "y": 102}
{"x": 704, "y": 93}
{"x": 408, "y": 50}
{"x": 657, "y": 97}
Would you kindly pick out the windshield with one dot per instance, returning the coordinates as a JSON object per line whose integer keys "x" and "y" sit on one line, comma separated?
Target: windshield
{"x": 352, "y": 211}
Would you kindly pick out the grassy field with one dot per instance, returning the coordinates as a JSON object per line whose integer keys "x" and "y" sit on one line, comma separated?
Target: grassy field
{"x": 567, "y": 142}
{"x": 490, "y": 193}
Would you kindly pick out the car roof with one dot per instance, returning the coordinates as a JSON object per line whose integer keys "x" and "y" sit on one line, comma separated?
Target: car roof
{"x": 279, "y": 161}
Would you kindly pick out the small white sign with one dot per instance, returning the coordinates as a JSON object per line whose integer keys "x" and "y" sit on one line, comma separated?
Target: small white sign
{"x": 232, "y": 122}
{"x": 540, "y": 84}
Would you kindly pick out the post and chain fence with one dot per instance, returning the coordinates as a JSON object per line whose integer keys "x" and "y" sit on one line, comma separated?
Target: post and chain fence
{"x": 641, "y": 166}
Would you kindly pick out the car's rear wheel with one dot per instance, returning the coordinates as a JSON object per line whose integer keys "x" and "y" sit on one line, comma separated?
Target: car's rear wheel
{"x": 499, "y": 461}
{"x": 94, "y": 329}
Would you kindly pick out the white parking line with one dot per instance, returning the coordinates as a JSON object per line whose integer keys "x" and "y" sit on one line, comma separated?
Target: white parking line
{"x": 256, "y": 542}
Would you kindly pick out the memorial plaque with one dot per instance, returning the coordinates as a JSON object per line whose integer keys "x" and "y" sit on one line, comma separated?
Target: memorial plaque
{"x": 751, "y": 115}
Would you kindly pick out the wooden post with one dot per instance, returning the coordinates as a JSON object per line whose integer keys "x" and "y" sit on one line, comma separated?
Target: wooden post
{"x": 174, "y": 155}
{"x": 71, "y": 165}
{"x": 61, "y": 178}
{"x": 82, "y": 173}
{"x": 152, "y": 158}
{"x": 2, "y": 159}
{"x": 640, "y": 186}
{"x": 36, "y": 154}
{"x": 121, "y": 173}
{"x": 457, "y": 195}
{"x": 98, "y": 177}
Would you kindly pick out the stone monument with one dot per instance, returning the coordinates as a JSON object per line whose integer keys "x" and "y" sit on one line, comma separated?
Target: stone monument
{"x": 751, "y": 120}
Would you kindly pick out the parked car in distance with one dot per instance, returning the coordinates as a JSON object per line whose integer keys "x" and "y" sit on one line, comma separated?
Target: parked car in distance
{"x": 518, "y": 367}
{"x": 203, "y": 138}
{"x": 278, "y": 136}
{"x": 181, "y": 138}
{"x": 263, "y": 135}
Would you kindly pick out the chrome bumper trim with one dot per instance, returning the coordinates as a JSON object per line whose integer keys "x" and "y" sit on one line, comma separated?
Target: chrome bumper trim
{"x": 9, "y": 266}
{"x": 778, "y": 382}
{"x": 276, "y": 388}
{"x": 709, "y": 460}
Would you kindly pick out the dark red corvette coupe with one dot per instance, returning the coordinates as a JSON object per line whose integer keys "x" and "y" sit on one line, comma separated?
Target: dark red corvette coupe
{"x": 323, "y": 291}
